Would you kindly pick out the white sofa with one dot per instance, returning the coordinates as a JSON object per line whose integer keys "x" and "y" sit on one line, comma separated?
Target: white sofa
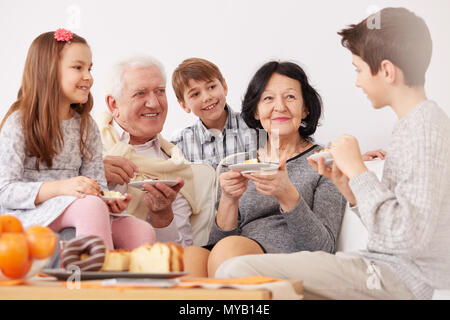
{"x": 353, "y": 234}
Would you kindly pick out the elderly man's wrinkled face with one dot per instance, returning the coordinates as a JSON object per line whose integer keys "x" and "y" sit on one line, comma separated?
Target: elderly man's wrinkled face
{"x": 141, "y": 109}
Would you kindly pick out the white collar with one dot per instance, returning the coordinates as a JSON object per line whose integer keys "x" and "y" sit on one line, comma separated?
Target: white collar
{"x": 124, "y": 136}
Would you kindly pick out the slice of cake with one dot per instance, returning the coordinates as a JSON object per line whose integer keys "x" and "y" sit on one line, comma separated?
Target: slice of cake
{"x": 116, "y": 260}
{"x": 157, "y": 258}
{"x": 177, "y": 257}
{"x": 112, "y": 194}
{"x": 154, "y": 258}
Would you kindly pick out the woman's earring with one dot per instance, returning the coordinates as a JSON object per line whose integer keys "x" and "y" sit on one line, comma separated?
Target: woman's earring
{"x": 304, "y": 123}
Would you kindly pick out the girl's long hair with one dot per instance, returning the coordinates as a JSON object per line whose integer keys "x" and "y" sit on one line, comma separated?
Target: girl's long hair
{"x": 38, "y": 101}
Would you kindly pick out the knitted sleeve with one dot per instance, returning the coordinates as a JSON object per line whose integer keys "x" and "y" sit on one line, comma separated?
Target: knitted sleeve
{"x": 401, "y": 213}
{"x": 15, "y": 192}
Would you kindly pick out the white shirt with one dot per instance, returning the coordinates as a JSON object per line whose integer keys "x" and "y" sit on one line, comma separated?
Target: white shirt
{"x": 179, "y": 230}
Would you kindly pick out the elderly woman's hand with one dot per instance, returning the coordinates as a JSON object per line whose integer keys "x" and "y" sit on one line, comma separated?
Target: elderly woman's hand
{"x": 233, "y": 184}
{"x": 276, "y": 185}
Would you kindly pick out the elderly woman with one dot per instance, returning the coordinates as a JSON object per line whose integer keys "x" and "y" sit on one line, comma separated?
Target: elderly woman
{"x": 292, "y": 209}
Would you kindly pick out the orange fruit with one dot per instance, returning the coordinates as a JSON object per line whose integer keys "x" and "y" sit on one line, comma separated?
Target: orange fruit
{"x": 10, "y": 223}
{"x": 41, "y": 241}
{"x": 15, "y": 261}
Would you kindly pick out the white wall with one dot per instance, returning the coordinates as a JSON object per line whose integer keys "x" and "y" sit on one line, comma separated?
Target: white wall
{"x": 237, "y": 35}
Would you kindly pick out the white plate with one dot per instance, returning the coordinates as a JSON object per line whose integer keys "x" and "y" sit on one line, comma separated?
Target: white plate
{"x": 254, "y": 167}
{"x": 138, "y": 184}
{"x": 325, "y": 155}
{"x": 62, "y": 274}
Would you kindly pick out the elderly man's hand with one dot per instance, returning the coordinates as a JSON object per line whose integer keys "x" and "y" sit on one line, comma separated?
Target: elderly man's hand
{"x": 159, "y": 199}
{"x": 119, "y": 169}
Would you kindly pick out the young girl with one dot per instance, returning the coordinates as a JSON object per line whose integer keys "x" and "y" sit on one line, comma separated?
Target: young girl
{"x": 51, "y": 168}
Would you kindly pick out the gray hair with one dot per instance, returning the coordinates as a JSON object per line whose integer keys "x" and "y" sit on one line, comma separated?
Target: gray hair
{"x": 113, "y": 81}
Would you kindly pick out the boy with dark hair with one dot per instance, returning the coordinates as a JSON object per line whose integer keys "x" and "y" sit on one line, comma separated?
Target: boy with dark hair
{"x": 407, "y": 213}
{"x": 219, "y": 132}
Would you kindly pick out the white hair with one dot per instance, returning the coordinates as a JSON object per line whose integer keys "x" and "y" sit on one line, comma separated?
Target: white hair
{"x": 113, "y": 81}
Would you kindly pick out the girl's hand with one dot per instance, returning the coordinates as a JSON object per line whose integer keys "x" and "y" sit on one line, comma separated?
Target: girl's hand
{"x": 79, "y": 187}
{"x": 276, "y": 185}
{"x": 233, "y": 184}
{"x": 336, "y": 176}
{"x": 119, "y": 205}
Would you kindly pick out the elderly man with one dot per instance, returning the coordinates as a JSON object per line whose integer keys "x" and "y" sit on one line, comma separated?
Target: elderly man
{"x": 134, "y": 150}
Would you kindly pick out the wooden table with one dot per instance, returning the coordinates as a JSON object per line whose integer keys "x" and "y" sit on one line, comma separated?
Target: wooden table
{"x": 49, "y": 288}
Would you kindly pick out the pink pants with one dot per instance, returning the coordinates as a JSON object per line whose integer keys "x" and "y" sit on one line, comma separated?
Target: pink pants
{"x": 90, "y": 216}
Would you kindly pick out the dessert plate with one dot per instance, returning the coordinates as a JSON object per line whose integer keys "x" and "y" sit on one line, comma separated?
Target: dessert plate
{"x": 62, "y": 274}
{"x": 254, "y": 167}
{"x": 138, "y": 184}
{"x": 325, "y": 155}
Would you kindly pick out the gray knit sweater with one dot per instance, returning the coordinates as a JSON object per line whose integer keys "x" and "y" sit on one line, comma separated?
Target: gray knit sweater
{"x": 407, "y": 214}
{"x": 20, "y": 181}
{"x": 312, "y": 225}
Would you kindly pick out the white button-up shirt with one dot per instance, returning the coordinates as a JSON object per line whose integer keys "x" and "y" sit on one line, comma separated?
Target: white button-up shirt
{"x": 179, "y": 230}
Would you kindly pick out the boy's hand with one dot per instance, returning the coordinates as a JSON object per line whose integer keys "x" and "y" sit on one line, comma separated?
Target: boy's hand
{"x": 347, "y": 156}
{"x": 119, "y": 169}
{"x": 119, "y": 205}
{"x": 336, "y": 176}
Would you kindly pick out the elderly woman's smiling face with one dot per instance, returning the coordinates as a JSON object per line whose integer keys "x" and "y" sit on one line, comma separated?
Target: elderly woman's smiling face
{"x": 280, "y": 108}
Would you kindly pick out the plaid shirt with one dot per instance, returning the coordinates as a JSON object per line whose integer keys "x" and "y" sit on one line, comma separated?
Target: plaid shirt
{"x": 199, "y": 144}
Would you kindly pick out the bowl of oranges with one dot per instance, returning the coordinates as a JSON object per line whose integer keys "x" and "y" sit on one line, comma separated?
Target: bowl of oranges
{"x": 24, "y": 252}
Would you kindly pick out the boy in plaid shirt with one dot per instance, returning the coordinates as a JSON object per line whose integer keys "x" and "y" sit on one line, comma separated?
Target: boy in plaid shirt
{"x": 219, "y": 132}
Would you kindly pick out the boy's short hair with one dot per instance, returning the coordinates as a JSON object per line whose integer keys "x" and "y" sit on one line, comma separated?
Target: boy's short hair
{"x": 194, "y": 68}
{"x": 397, "y": 35}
